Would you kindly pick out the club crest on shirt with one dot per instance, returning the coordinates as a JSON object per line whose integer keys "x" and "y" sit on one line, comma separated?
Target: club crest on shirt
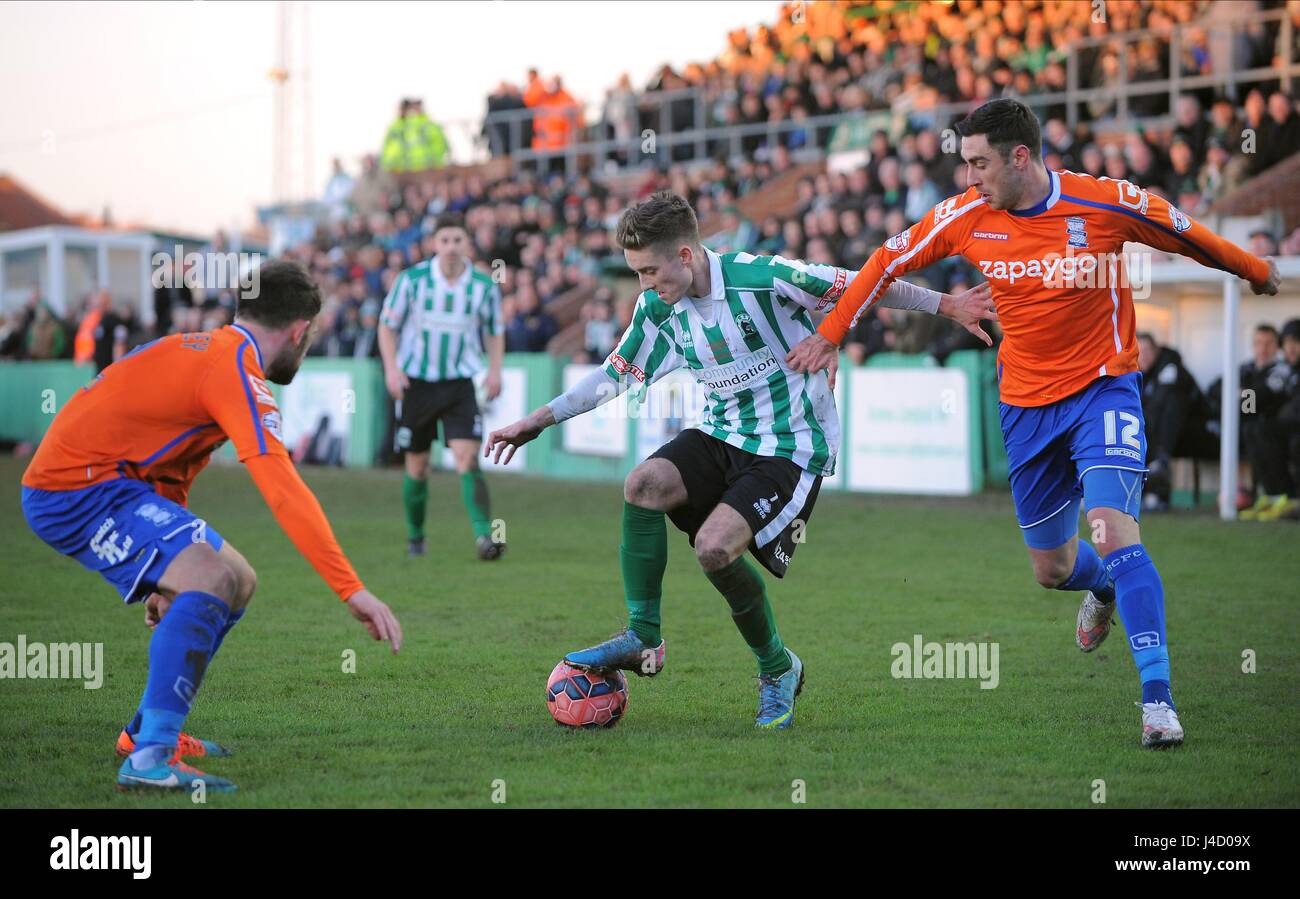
{"x": 1176, "y": 218}
{"x": 746, "y": 325}
{"x": 899, "y": 241}
{"x": 1076, "y": 232}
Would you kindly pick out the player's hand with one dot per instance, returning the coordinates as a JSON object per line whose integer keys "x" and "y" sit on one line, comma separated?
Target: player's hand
{"x": 814, "y": 353}
{"x": 493, "y": 385}
{"x": 396, "y": 381}
{"x": 511, "y": 437}
{"x": 1272, "y": 284}
{"x": 377, "y": 617}
{"x": 969, "y": 308}
{"x": 155, "y": 607}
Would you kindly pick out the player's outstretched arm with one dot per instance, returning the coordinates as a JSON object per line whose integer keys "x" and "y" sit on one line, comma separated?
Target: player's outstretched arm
{"x": 1270, "y": 285}
{"x": 597, "y": 388}
{"x": 1158, "y": 223}
{"x": 929, "y": 240}
{"x": 300, "y": 515}
{"x": 378, "y": 619}
{"x": 511, "y": 437}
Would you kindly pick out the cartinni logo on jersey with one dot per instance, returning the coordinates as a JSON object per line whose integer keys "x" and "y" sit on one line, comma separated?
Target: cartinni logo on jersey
{"x": 1076, "y": 232}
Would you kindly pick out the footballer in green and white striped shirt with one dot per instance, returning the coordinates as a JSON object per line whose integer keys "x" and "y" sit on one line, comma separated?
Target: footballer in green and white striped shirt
{"x": 440, "y": 326}
{"x": 747, "y": 477}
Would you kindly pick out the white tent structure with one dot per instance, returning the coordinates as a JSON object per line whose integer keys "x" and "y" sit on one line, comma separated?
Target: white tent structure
{"x": 65, "y": 263}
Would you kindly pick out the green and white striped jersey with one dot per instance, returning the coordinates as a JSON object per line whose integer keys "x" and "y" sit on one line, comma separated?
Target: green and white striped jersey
{"x": 441, "y": 323}
{"x": 734, "y": 342}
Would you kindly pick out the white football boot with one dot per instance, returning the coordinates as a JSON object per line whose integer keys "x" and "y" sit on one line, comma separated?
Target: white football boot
{"x": 1160, "y": 727}
{"x": 1093, "y": 624}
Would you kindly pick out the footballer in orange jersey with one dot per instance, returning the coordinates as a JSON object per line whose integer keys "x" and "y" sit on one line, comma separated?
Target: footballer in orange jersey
{"x": 1051, "y": 246}
{"x": 109, "y": 485}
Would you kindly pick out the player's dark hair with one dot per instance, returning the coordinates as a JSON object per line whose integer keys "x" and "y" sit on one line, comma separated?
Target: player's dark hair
{"x": 284, "y": 293}
{"x": 1148, "y": 337}
{"x": 1008, "y": 124}
{"x": 661, "y": 218}
{"x": 1268, "y": 329}
{"x": 449, "y": 220}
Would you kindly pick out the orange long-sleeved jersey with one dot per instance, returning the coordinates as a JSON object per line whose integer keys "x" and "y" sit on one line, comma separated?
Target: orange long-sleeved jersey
{"x": 158, "y": 414}
{"x": 1059, "y": 279}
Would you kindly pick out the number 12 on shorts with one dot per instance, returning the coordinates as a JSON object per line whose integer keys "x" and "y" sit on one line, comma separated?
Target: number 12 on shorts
{"x": 1128, "y": 435}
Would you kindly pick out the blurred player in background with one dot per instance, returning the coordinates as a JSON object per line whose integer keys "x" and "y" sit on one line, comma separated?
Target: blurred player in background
{"x": 747, "y": 477}
{"x": 109, "y": 487}
{"x": 1071, "y": 410}
{"x": 440, "y": 326}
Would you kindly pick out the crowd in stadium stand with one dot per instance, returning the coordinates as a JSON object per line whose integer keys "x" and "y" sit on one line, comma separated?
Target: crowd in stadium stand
{"x": 545, "y": 235}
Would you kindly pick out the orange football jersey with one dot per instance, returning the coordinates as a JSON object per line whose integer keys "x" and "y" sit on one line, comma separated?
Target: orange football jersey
{"x": 1058, "y": 274}
{"x": 158, "y": 413}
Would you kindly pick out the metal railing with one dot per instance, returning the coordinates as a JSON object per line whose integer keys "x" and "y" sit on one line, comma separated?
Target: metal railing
{"x": 705, "y": 139}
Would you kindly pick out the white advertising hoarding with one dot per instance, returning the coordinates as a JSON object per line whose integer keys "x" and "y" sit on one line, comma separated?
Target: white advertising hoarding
{"x": 318, "y": 410}
{"x": 909, "y": 431}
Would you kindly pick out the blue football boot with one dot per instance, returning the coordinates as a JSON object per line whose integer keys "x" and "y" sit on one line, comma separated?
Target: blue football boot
{"x": 776, "y": 696}
{"x": 623, "y": 651}
{"x": 170, "y": 774}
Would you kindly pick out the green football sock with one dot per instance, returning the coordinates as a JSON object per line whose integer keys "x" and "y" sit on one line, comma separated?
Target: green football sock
{"x": 644, "y": 554}
{"x": 415, "y": 498}
{"x": 743, "y": 588}
{"x": 474, "y": 493}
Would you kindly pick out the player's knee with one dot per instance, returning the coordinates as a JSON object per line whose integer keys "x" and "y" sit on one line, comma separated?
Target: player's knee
{"x": 218, "y": 577}
{"x": 247, "y": 580}
{"x": 642, "y": 488}
{"x": 1051, "y": 572}
{"x": 713, "y": 554}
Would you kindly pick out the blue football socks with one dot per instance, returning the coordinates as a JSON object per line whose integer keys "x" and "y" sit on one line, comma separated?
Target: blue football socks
{"x": 182, "y": 644}
{"x": 1141, "y": 604}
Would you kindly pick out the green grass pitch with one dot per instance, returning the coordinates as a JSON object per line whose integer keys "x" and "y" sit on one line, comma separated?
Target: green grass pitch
{"x": 462, "y": 706}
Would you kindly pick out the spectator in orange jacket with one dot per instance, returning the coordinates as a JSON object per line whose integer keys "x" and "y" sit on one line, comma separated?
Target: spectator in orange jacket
{"x": 558, "y": 117}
